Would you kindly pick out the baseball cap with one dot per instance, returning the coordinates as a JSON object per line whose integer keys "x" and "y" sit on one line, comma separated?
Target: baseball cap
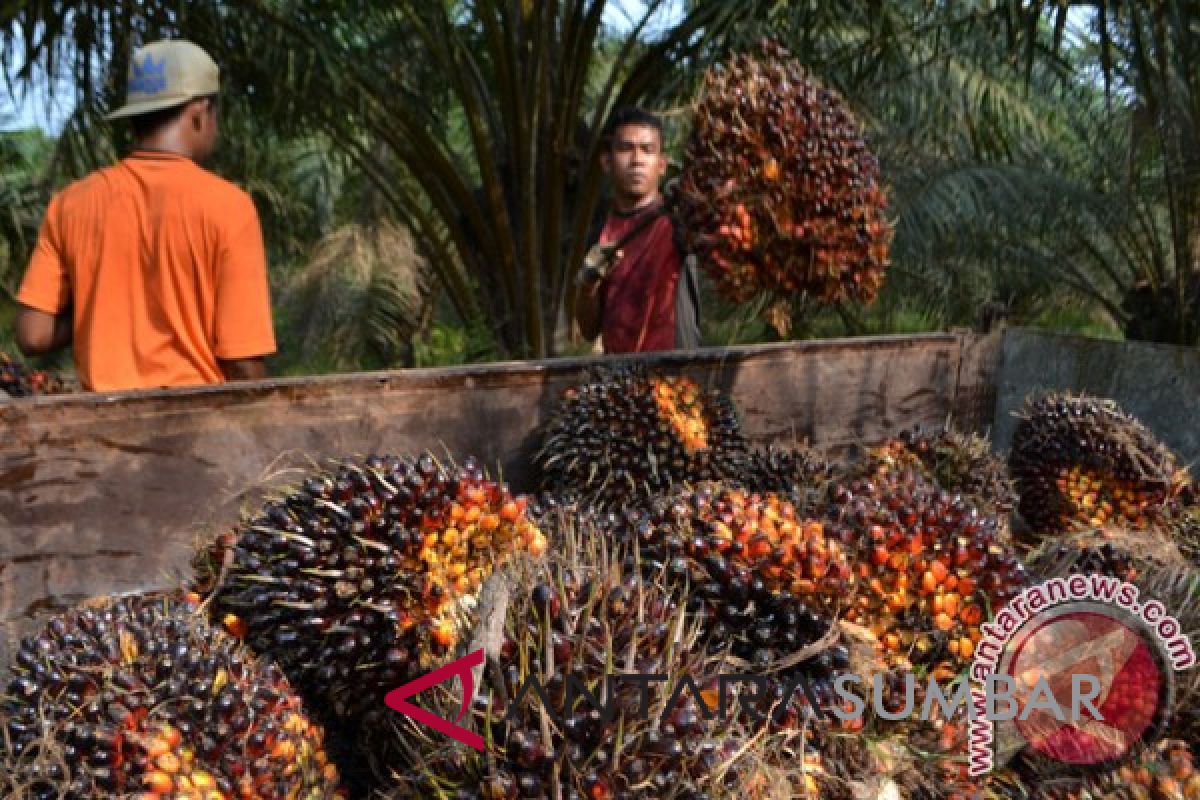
{"x": 164, "y": 74}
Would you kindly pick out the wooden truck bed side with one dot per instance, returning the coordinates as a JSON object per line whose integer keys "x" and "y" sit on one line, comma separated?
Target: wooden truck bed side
{"x": 103, "y": 494}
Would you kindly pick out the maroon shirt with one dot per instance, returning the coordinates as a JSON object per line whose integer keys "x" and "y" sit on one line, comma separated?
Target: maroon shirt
{"x": 639, "y": 293}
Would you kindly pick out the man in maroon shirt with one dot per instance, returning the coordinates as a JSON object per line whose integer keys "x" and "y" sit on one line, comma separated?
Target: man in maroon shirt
{"x": 627, "y": 291}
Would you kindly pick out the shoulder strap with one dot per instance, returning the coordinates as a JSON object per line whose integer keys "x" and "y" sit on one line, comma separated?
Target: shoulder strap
{"x": 687, "y": 305}
{"x": 642, "y": 224}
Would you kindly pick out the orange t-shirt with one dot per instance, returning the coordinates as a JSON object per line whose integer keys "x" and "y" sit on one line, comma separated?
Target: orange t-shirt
{"x": 164, "y": 264}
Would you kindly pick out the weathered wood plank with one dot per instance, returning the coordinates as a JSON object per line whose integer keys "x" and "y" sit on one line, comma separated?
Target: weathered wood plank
{"x": 975, "y": 398}
{"x": 102, "y": 494}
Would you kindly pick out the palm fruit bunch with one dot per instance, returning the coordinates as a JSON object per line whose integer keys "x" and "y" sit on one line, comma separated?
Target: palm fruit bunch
{"x": 766, "y": 583}
{"x": 627, "y": 435}
{"x": 755, "y": 545}
{"x": 788, "y": 470}
{"x": 930, "y": 566}
{"x": 961, "y": 463}
{"x": 14, "y": 377}
{"x": 357, "y": 578}
{"x": 1168, "y": 770}
{"x": 923, "y": 758}
{"x": 141, "y": 696}
{"x": 911, "y": 757}
{"x": 1084, "y": 461}
{"x": 779, "y": 192}
{"x": 17, "y": 380}
{"x": 571, "y": 622}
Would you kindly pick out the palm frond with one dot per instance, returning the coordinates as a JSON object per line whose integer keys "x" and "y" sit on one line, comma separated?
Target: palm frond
{"x": 361, "y": 298}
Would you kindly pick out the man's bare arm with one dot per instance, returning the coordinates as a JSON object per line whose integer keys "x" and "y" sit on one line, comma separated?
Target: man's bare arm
{"x": 244, "y": 369}
{"x": 40, "y": 332}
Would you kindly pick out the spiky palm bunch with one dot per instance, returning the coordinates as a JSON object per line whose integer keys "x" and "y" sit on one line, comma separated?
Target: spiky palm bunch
{"x": 958, "y": 462}
{"x": 357, "y": 577}
{"x": 18, "y": 380}
{"x": 627, "y": 434}
{"x": 573, "y": 620}
{"x": 142, "y": 695}
{"x": 929, "y": 565}
{"x": 780, "y": 193}
{"x": 1085, "y": 461}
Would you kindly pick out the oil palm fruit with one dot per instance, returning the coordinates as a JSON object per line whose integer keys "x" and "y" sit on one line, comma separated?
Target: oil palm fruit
{"x": 765, "y": 583}
{"x": 929, "y": 566}
{"x": 1164, "y": 771}
{"x": 796, "y": 470}
{"x": 573, "y": 621}
{"x": 356, "y": 578}
{"x": 958, "y": 462}
{"x": 779, "y": 192}
{"x": 142, "y": 697}
{"x": 1084, "y": 461}
{"x": 17, "y": 380}
{"x": 627, "y": 434}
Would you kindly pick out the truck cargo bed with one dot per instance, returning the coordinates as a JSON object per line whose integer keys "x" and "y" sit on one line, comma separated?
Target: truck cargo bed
{"x": 105, "y": 494}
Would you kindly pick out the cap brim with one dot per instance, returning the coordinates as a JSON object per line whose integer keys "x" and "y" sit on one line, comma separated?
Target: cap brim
{"x": 148, "y": 106}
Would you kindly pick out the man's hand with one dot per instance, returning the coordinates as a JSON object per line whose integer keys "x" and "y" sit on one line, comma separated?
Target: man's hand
{"x": 244, "y": 369}
{"x": 596, "y": 264}
{"x": 39, "y": 332}
{"x": 589, "y": 299}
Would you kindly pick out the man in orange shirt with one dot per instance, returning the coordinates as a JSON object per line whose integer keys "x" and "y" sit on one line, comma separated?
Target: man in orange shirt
{"x": 154, "y": 269}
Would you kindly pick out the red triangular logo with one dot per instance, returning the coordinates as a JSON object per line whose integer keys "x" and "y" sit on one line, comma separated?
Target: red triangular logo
{"x": 396, "y": 698}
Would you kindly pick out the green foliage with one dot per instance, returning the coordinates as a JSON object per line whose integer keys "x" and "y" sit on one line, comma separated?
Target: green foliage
{"x": 1078, "y": 319}
{"x": 478, "y": 124}
{"x": 359, "y": 301}
{"x": 448, "y": 344}
{"x": 23, "y": 159}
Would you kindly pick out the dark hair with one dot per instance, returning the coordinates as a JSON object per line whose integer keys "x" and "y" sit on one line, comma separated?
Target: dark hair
{"x": 145, "y": 125}
{"x": 630, "y": 115}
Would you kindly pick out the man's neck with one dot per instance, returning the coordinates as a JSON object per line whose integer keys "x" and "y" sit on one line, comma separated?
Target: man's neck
{"x": 628, "y": 205}
{"x": 165, "y": 143}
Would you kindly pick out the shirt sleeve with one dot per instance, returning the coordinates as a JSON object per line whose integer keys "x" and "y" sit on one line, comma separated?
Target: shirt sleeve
{"x": 46, "y": 285}
{"x": 243, "y": 302}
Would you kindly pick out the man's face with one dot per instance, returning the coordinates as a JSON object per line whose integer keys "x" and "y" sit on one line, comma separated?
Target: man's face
{"x": 635, "y": 161}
